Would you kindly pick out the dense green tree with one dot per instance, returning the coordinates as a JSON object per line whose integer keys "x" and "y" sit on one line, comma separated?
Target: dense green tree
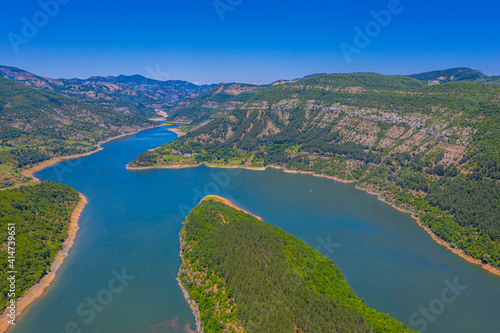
{"x": 39, "y": 216}
{"x": 246, "y": 274}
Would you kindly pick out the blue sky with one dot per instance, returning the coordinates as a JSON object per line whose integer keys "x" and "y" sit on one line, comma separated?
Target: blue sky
{"x": 251, "y": 41}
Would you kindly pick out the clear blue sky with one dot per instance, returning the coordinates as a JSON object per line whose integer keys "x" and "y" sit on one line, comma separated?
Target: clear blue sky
{"x": 257, "y": 41}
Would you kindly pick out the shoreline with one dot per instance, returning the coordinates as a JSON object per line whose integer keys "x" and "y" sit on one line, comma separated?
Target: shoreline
{"x": 229, "y": 203}
{"x": 192, "y": 304}
{"x": 177, "y": 131}
{"x": 491, "y": 269}
{"x": 459, "y": 252}
{"x": 37, "y": 290}
{"x": 217, "y": 166}
{"x": 45, "y": 164}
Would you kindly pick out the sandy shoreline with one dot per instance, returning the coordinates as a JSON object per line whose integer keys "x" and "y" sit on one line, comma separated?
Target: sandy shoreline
{"x": 228, "y": 203}
{"x": 42, "y": 165}
{"x": 313, "y": 174}
{"x": 177, "y": 166}
{"x": 177, "y": 131}
{"x": 37, "y": 290}
{"x": 32, "y": 294}
{"x": 182, "y": 166}
{"x": 459, "y": 252}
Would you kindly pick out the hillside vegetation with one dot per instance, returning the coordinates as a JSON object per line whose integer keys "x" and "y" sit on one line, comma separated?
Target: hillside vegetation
{"x": 40, "y": 215}
{"x": 36, "y": 125}
{"x": 133, "y": 95}
{"x": 248, "y": 276}
{"x": 430, "y": 150}
{"x": 455, "y": 74}
{"x": 213, "y": 104}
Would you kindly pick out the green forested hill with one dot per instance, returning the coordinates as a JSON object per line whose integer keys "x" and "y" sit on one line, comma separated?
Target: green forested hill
{"x": 213, "y": 104}
{"x": 40, "y": 214}
{"x": 36, "y": 125}
{"x": 248, "y": 276}
{"x": 431, "y": 150}
{"x": 454, "y": 74}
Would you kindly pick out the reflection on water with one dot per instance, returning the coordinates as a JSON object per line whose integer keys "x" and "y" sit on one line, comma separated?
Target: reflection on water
{"x": 171, "y": 326}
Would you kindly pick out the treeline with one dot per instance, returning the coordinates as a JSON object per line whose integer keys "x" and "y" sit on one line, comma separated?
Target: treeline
{"x": 28, "y": 156}
{"x": 473, "y": 201}
{"x": 41, "y": 215}
{"x": 246, "y": 275}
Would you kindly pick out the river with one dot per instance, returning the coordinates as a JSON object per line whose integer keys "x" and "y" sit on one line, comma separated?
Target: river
{"x": 120, "y": 275}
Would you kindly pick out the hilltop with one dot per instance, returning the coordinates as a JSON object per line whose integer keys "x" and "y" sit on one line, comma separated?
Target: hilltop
{"x": 461, "y": 74}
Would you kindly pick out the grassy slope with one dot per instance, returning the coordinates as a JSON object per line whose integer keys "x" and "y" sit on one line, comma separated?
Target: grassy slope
{"x": 248, "y": 276}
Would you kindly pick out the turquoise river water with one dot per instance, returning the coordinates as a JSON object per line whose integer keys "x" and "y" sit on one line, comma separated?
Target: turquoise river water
{"x": 120, "y": 275}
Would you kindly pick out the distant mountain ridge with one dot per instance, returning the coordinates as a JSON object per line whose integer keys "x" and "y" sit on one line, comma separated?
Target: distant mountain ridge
{"x": 36, "y": 125}
{"x": 134, "y": 94}
{"x": 133, "y": 80}
{"x": 460, "y": 74}
{"x": 213, "y": 104}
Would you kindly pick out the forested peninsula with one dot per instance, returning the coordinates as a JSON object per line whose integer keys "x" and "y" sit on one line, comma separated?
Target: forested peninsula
{"x": 240, "y": 274}
{"x": 34, "y": 223}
